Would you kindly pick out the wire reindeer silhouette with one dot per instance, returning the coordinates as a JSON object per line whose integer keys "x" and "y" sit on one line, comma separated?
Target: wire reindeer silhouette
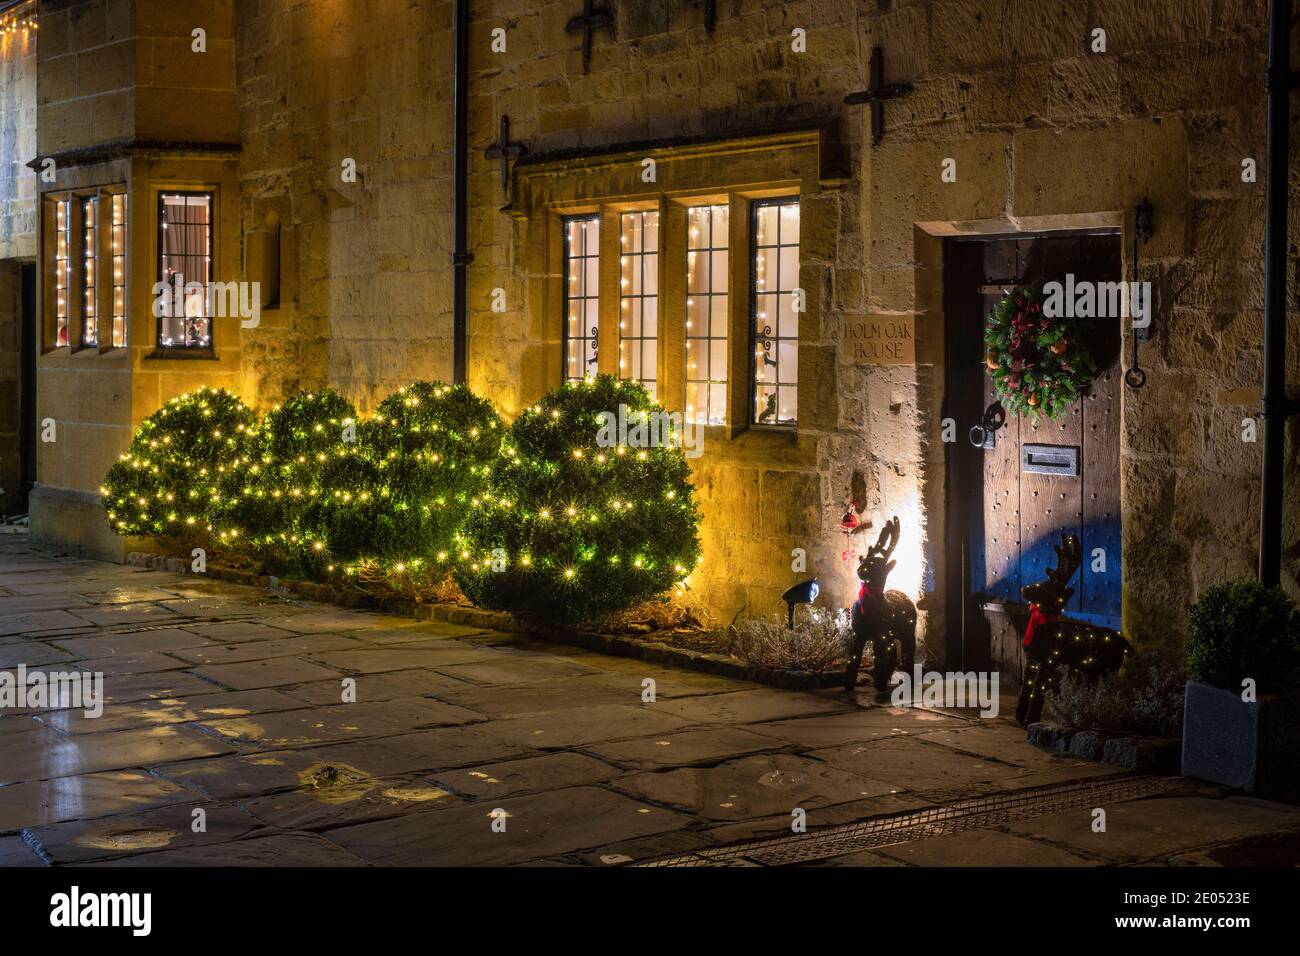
{"x": 1053, "y": 646}
{"x": 885, "y": 618}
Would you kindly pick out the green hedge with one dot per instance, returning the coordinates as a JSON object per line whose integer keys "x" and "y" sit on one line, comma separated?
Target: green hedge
{"x": 572, "y": 528}
{"x": 392, "y": 506}
{"x": 1242, "y": 629}
{"x": 264, "y": 494}
{"x": 546, "y": 519}
{"x": 165, "y": 483}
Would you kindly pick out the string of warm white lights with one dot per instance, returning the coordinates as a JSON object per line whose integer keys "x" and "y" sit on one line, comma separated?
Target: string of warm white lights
{"x": 22, "y": 20}
{"x": 570, "y": 522}
{"x": 429, "y": 484}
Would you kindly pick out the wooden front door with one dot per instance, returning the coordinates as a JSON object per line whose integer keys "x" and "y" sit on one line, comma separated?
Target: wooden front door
{"x": 1010, "y": 501}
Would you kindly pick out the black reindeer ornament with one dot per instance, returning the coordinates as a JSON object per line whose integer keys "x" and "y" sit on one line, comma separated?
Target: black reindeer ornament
{"x": 885, "y": 618}
{"x": 1053, "y": 646}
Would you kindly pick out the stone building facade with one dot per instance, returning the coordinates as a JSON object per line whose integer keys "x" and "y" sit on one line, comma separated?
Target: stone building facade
{"x": 17, "y": 237}
{"x": 1026, "y": 120}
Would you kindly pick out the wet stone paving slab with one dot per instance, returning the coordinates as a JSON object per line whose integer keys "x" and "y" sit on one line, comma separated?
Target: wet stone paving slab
{"x": 240, "y": 726}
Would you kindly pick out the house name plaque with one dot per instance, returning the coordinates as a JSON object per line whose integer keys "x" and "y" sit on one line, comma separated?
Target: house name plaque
{"x": 879, "y": 340}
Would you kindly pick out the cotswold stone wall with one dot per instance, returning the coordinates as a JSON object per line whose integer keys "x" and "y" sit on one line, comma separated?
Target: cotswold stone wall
{"x": 1047, "y": 131}
{"x": 365, "y": 298}
{"x": 17, "y": 236}
{"x": 126, "y": 100}
{"x": 662, "y": 76}
{"x": 17, "y": 145}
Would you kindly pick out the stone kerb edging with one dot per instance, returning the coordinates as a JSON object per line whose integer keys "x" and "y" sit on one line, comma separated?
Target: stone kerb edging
{"x": 1162, "y": 755}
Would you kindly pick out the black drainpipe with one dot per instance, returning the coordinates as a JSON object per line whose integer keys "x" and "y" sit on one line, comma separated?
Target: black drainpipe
{"x": 1275, "y": 407}
{"x": 460, "y": 257}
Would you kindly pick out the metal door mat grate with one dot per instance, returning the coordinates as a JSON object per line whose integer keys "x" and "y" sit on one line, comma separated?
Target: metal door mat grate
{"x": 975, "y": 814}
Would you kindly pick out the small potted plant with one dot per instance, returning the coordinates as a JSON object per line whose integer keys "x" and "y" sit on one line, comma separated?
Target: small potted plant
{"x": 1242, "y": 706}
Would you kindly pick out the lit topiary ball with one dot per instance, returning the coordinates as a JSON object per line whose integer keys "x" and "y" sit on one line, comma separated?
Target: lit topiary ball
{"x": 263, "y": 496}
{"x": 392, "y": 507}
{"x": 575, "y": 525}
{"x": 164, "y": 483}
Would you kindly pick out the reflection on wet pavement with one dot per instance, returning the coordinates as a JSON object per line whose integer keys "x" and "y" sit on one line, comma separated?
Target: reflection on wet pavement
{"x": 241, "y": 727}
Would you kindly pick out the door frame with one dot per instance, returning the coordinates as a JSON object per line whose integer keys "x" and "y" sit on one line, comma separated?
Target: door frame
{"x": 967, "y": 636}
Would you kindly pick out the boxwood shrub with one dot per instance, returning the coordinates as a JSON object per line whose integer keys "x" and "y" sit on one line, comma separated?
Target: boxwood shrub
{"x": 1242, "y": 629}
{"x": 573, "y": 525}
{"x": 264, "y": 494}
{"x": 164, "y": 484}
{"x": 392, "y": 505}
{"x": 556, "y": 518}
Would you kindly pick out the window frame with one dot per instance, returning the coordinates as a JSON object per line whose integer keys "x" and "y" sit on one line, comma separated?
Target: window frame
{"x": 742, "y": 202}
{"x": 76, "y": 200}
{"x": 638, "y": 300}
{"x": 89, "y": 250}
{"x": 752, "y": 248}
{"x": 113, "y": 284}
{"x": 708, "y": 339}
{"x": 162, "y": 350}
{"x": 567, "y": 261}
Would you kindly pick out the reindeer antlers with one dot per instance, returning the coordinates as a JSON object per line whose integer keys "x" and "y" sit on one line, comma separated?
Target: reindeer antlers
{"x": 888, "y": 539}
{"x": 1069, "y": 555}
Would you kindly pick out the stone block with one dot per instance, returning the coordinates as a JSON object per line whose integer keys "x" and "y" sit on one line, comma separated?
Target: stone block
{"x": 57, "y": 80}
{"x": 726, "y": 494}
{"x": 175, "y": 65}
{"x": 111, "y": 117}
{"x": 72, "y": 522}
{"x": 105, "y": 68}
{"x": 1165, "y": 417}
{"x": 818, "y": 389}
{"x": 1058, "y": 172}
{"x": 87, "y": 24}
{"x": 790, "y": 504}
{"x": 1247, "y": 746}
{"x": 1087, "y": 745}
{"x": 1131, "y": 26}
{"x": 907, "y": 188}
{"x": 565, "y": 119}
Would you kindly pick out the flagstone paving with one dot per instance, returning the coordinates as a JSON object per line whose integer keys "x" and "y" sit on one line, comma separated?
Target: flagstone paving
{"x": 247, "y": 727}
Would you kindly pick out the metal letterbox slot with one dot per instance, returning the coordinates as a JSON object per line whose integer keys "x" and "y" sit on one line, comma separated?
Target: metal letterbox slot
{"x": 1050, "y": 460}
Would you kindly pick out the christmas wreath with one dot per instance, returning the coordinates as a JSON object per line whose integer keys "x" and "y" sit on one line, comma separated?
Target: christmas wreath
{"x": 1040, "y": 365}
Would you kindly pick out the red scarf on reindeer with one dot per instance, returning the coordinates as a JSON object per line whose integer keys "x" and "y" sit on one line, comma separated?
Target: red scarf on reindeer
{"x": 867, "y": 591}
{"x": 1037, "y": 618}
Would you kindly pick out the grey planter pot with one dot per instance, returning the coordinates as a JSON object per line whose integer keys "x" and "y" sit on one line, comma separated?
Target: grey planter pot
{"x": 1252, "y": 747}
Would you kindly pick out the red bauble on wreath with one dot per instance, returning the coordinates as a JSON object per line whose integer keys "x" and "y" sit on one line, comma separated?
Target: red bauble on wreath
{"x": 1039, "y": 364}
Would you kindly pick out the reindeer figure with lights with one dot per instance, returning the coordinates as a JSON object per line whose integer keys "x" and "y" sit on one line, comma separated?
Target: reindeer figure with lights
{"x": 885, "y": 618}
{"x": 1053, "y": 646}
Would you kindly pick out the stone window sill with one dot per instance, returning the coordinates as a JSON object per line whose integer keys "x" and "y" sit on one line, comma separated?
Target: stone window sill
{"x": 162, "y": 352}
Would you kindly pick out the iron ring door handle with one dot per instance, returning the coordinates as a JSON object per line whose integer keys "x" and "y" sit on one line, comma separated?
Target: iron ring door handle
{"x": 994, "y": 417}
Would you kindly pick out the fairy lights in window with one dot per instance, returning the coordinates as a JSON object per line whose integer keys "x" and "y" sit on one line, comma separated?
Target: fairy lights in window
{"x": 118, "y": 249}
{"x": 62, "y": 269}
{"x": 581, "y": 297}
{"x": 638, "y": 319}
{"x": 707, "y": 261}
{"x": 89, "y": 260}
{"x": 185, "y": 243}
{"x": 774, "y": 314}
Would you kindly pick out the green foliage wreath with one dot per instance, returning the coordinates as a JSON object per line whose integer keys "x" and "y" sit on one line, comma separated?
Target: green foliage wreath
{"x": 1039, "y": 363}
